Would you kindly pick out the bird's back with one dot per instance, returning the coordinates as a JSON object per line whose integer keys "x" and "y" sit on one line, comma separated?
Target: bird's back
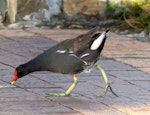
{"x": 70, "y": 56}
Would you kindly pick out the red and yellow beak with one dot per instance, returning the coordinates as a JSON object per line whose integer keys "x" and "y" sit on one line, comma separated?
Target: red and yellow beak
{"x": 15, "y": 78}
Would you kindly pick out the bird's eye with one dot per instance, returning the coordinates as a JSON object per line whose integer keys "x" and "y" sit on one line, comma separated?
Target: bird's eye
{"x": 19, "y": 71}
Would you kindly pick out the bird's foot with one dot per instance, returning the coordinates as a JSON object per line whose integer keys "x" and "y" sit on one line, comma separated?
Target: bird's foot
{"x": 68, "y": 92}
{"x": 60, "y": 95}
{"x": 106, "y": 81}
{"x": 105, "y": 91}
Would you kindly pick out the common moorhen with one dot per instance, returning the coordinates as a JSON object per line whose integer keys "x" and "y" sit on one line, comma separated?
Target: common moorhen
{"x": 70, "y": 56}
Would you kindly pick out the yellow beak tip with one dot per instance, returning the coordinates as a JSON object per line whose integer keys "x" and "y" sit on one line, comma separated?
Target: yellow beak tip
{"x": 12, "y": 83}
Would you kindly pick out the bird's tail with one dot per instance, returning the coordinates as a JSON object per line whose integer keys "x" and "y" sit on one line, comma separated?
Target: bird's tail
{"x": 99, "y": 42}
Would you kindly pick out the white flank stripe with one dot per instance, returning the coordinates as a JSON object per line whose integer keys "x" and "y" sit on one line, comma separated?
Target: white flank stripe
{"x": 61, "y": 51}
{"x": 71, "y": 52}
{"x": 84, "y": 55}
{"x": 95, "y": 45}
{"x": 72, "y": 55}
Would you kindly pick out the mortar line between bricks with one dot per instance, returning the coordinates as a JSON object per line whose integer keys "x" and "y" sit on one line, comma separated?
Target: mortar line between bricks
{"x": 126, "y": 81}
{"x": 143, "y": 67}
{"x": 116, "y": 108}
{"x": 133, "y": 66}
{"x": 28, "y": 31}
{"x": 38, "y": 34}
{"x": 131, "y": 57}
{"x": 136, "y": 101}
{"x": 45, "y": 81}
{"x": 66, "y": 106}
{"x": 7, "y": 64}
{"x": 17, "y": 53}
{"x": 8, "y": 38}
{"x": 116, "y": 60}
{"x": 113, "y": 108}
{"x": 13, "y": 53}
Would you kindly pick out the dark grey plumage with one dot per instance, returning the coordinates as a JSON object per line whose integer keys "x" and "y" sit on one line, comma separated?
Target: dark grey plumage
{"x": 71, "y": 56}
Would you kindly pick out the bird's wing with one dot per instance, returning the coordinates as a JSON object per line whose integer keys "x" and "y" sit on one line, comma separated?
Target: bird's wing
{"x": 66, "y": 45}
{"x": 78, "y": 44}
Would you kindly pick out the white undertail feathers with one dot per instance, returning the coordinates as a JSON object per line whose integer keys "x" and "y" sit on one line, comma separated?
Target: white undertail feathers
{"x": 96, "y": 44}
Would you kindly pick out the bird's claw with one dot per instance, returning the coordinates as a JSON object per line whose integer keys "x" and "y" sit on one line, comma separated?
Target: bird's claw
{"x": 105, "y": 91}
{"x": 106, "y": 81}
{"x": 112, "y": 90}
{"x": 68, "y": 92}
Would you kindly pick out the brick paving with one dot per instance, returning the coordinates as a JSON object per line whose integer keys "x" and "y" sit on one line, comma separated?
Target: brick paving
{"x": 126, "y": 61}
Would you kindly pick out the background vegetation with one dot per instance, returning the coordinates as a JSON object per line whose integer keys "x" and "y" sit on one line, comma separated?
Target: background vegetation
{"x": 134, "y": 14}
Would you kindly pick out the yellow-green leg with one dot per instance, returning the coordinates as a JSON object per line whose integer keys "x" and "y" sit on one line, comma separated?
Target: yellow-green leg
{"x": 68, "y": 92}
{"x": 106, "y": 81}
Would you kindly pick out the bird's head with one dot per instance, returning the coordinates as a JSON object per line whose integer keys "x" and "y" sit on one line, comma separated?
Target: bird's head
{"x": 19, "y": 72}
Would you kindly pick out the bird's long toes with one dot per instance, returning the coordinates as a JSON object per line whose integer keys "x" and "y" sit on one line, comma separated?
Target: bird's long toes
{"x": 103, "y": 93}
{"x": 59, "y": 95}
{"x": 106, "y": 90}
{"x": 112, "y": 91}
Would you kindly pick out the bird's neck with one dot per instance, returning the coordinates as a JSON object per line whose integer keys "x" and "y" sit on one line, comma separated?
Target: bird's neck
{"x": 32, "y": 66}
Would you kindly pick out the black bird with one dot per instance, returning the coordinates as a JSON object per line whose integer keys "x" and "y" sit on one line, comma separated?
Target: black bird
{"x": 70, "y": 56}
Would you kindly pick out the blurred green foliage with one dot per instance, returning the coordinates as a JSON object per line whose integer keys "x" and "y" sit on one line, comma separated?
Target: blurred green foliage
{"x": 136, "y": 14}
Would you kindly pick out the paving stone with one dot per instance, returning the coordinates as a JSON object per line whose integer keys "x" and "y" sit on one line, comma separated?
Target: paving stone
{"x": 19, "y": 101}
{"x": 115, "y": 66}
{"x": 58, "y": 34}
{"x": 40, "y": 107}
{"x": 124, "y": 104}
{"x": 143, "y": 64}
{"x": 12, "y": 59}
{"x": 15, "y": 33}
{"x": 81, "y": 104}
{"x": 145, "y": 84}
{"x": 130, "y": 75}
